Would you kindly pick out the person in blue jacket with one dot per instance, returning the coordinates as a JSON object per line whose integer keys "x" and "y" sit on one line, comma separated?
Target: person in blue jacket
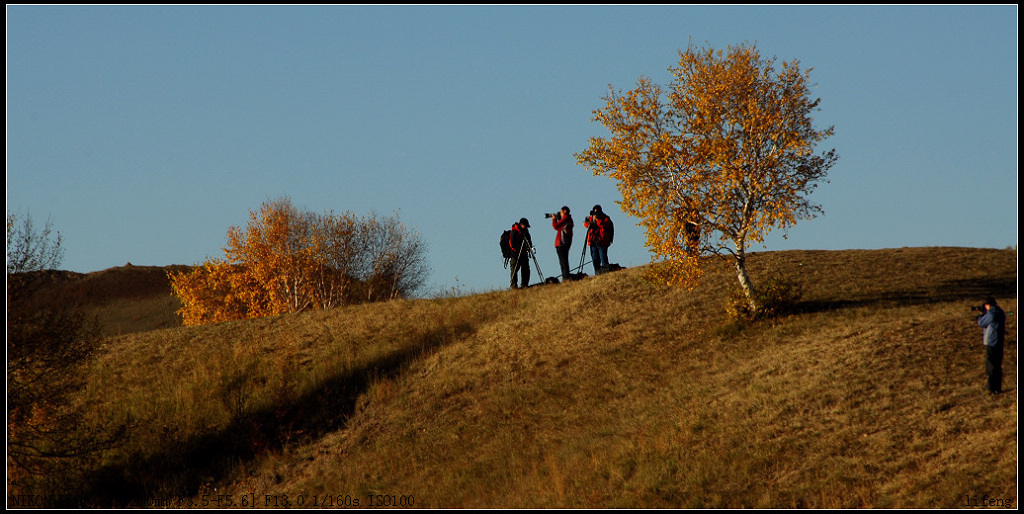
{"x": 993, "y": 320}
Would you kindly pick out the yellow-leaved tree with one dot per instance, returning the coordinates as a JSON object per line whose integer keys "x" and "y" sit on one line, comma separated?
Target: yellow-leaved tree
{"x": 288, "y": 260}
{"x": 277, "y": 251}
{"x": 714, "y": 162}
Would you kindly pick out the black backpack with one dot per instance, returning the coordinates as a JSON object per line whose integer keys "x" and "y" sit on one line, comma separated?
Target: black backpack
{"x": 506, "y": 245}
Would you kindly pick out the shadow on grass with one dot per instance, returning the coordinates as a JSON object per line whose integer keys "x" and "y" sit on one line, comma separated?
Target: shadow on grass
{"x": 971, "y": 292}
{"x": 181, "y": 468}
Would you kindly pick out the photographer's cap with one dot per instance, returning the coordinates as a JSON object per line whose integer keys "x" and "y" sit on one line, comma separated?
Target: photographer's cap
{"x": 524, "y": 222}
{"x": 990, "y": 300}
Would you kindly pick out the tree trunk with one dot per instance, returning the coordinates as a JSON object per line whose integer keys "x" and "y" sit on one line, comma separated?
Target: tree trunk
{"x": 748, "y": 290}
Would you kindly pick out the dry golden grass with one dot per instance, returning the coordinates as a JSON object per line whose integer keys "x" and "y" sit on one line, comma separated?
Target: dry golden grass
{"x": 608, "y": 392}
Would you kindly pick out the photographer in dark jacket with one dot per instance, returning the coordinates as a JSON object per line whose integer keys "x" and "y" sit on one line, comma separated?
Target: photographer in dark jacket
{"x": 993, "y": 320}
{"x": 522, "y": 245}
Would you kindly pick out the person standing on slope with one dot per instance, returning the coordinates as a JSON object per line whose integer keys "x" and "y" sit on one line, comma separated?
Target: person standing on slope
{"x": 600, "y": 233}
{"x": 562, "y": 223}
{"x": 993, "y": 320}
{"x": 522, "y": 245}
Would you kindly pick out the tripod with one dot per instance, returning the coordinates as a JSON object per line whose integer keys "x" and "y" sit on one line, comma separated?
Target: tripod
{"x": 584, "y": 254}
{"x": 533, "y": 254}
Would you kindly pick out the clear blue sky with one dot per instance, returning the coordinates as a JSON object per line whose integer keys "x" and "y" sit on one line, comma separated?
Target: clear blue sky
{"x": 143, "y": 133}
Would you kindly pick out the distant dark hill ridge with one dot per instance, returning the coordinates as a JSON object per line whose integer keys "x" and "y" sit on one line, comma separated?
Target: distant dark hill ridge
{"x": 123, "y": 299}
{"x": 100, "y": 287}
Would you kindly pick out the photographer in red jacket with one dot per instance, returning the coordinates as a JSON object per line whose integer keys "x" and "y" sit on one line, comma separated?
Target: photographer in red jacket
{"x": 600, "y": 233}
{"x": 562, "y": 223}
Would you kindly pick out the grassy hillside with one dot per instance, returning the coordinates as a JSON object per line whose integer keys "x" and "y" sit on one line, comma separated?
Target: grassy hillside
{"x": 609, "y": 392}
